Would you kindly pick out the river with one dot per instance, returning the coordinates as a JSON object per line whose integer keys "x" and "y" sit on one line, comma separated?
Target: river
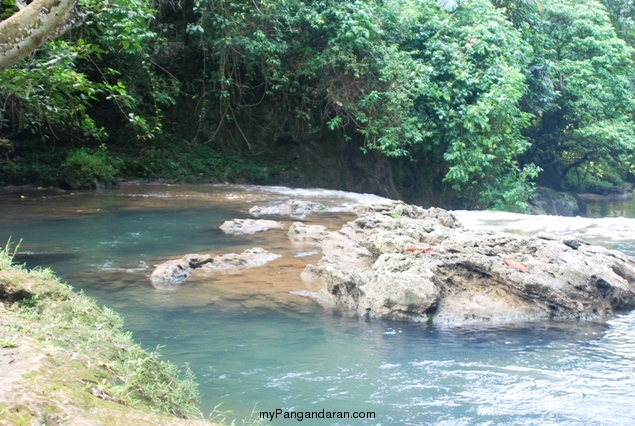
{"x": 255, "y": 347}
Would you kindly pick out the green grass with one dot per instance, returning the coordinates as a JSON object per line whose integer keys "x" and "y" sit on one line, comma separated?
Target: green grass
{"x": 72, "y": 331}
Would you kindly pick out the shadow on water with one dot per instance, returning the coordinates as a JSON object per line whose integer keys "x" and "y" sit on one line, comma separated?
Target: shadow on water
{"x": 43, "y": 260}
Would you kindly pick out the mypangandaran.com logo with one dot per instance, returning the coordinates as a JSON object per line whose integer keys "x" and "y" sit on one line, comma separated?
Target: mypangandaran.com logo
{"x": 279, "y": 413}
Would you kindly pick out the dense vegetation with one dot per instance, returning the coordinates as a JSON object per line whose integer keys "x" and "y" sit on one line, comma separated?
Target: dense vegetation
{"x": 474, "y": 100}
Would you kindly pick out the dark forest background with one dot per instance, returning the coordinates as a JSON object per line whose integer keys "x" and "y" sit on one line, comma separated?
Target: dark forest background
{"x": 469, "y": 103}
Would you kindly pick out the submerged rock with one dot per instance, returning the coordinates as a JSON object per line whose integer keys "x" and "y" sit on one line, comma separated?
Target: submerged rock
{"x": 404, "y": 262}
{"x": 234, "y": 262}
{"x": 248, "y": 226}
{"x": 170, "y": 274}
{"x": 174, "y": 272}
{"x": 616, "y": 196}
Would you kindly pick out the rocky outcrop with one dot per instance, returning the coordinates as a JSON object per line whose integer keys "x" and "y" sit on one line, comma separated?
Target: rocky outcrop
{"x": 301, "y": 233}
{"x": 248, "y": 226}
{"x": 294, "y": 208}
{"x": 332, "y": 162}
{"x": 404, "y": 262}
{"x": 235, "y": 262}
{"x": 170, "y": 274}
{"x": 174, "y": 272}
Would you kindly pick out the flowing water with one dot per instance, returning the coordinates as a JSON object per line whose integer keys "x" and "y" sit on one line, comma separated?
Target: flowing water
{"x": 254, "y": 346}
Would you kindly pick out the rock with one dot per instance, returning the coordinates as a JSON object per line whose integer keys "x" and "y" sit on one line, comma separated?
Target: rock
{"x": 295, "y": 208}
{"x": 394, "y": 288}
{"x": 399, "y": 209}
{"x": 174, "y": 272}
{"x": 170, "y": 274}
{"x": 312, "y": 234}
{"x": 248, "y": 226}
{"x": 333, "y": 162}
{"x": 317, "y": 296}
{"x": 404, "y": 262}
{"x": 234, "y": 262}
{"x": 548, "y": 201}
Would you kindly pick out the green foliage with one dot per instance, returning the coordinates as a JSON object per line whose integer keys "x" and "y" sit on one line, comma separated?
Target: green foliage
{"x": 475, "y": 97}
{"x": 470, "y": 110}
{"x": 598, "y": 178}
{"x": 86, "y": 168}
{"x": 142, "y": 378}
{"x": 8, "y": 8}
{"x": 120, "y": 26}
{"x": 407, "y": 76}
{"x": 53, "y": 94}
{"x": 591, "y": 120}
{"x": 320, "y": 62}
{"x": 179, "y": 161}
{"x": 8, "y": 342}
{"x": 30, "y": 162}
{"x": 622, "y": 14}
{"x": 48, "y": 95}
{"x": 128, "y": 41}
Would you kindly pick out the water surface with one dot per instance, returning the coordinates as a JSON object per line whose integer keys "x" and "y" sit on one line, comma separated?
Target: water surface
{"x": 253, "y": 345}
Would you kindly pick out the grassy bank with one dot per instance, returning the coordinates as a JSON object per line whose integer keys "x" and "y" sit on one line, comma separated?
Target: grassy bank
{"x": 64, "y": 360}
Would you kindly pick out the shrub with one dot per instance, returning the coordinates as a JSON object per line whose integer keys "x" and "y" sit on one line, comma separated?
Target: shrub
{"x": 88, "y": 168}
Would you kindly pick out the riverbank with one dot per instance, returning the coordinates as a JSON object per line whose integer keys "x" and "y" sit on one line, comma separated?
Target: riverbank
{"x": 252, "y": 344}
{"x": 64, "y": 360}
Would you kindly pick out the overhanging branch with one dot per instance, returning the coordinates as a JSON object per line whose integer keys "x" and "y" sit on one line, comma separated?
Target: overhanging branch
{"x": 31, "y": 27}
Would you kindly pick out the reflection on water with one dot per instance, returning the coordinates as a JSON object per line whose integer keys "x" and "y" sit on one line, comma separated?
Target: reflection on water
{"x": 607, "y": 208}
{"x": 253, "y": 344}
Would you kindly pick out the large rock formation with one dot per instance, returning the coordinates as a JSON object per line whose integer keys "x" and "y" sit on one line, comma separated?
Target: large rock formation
{"x": 403, "y": 262}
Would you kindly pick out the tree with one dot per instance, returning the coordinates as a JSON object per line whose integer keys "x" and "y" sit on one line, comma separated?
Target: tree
{"x": 321, "y": 64}
{"x": 55, "y": 92}
{"x": 451, "y": 5}
{"x": 622, "y": 14}
{"x": 470, "y": 109}
{"x": 31, "y": 27}
{"x": 586, "y": 140}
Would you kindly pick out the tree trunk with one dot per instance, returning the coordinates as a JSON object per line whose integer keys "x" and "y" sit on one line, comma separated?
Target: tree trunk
{"x": 31, "y": 27}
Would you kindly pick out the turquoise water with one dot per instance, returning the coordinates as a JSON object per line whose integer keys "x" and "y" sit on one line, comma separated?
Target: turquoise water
{"x": 253, "y": 346}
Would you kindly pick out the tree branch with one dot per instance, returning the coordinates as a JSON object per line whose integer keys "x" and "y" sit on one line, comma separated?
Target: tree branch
{"x": 31, "y": 27}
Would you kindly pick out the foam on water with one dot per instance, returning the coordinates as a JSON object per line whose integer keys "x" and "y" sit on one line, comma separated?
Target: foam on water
{"x": 328, "y": 195}
{"x": 610, "y": 231}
